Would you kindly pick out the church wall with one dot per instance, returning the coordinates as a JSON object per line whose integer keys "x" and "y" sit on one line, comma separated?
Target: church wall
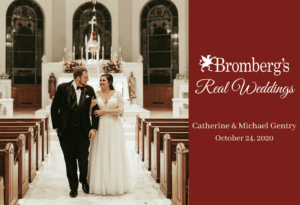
{"x": 137, "y": 7}
{"x": 111, "y": 5}
{"x": 125, "y": 28}
{"x": 58, "y": 30}
{"x": 46, "y": 7}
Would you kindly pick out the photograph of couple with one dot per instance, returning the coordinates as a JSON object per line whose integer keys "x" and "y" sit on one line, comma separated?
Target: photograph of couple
{"x": 105, "y": 170}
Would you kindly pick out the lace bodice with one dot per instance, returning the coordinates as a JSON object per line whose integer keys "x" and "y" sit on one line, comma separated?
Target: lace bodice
{"x": 114, "y": 106}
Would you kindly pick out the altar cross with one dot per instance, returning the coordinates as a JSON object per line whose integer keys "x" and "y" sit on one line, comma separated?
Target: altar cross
{"x": 92, "y": 24}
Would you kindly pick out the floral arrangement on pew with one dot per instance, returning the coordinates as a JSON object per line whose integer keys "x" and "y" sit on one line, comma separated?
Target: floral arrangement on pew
{"x": 70, "y": 66}
{"x": 112, "y": 67}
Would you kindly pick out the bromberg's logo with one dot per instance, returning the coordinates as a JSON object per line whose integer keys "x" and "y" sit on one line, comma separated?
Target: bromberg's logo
{"x": 217, "y": 64}
{"x": 220, "y": 65}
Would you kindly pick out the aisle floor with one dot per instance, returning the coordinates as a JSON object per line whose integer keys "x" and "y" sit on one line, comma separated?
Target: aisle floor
{"x": 51, "y": 185}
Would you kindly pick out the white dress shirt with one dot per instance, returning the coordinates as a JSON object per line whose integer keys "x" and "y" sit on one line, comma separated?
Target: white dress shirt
{"x": 78, "y": 92}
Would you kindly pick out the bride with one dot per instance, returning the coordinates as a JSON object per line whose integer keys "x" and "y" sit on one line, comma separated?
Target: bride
{"x": 108, "y": 171}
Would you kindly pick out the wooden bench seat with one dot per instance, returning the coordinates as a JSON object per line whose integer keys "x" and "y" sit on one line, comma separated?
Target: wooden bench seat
{"x": 149, "y": 138}
{"x": 44, "y": 125}
{"x": 22, "y": 158}
{"x": 156, "y": 146}
{"x": 30, "y": 145}
{"x": 167, "y": 155}
{"x": 38, "y": 138}
{"x": 141, "y": 122}
{"x": 180, "y": 176}
{"x": 9, "y": 171}
{"x": 143, "y": 131}
{"x": 44, "y": 131}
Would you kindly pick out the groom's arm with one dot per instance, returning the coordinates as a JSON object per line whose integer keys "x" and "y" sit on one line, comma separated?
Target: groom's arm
{"x": 95, "y": 120}
{"x": 55, "y": 107}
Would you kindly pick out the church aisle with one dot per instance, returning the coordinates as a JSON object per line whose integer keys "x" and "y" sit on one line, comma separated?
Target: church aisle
{"x": 51, "y": 185}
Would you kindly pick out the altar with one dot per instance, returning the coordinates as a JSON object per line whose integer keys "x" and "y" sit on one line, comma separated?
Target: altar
{"x": 54, "y": 74}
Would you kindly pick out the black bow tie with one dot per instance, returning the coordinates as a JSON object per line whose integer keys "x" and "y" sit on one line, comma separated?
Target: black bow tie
{"x": 80, "y": 88}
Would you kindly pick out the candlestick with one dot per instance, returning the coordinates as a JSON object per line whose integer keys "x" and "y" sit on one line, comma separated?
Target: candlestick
{"x": 102, "y": 54}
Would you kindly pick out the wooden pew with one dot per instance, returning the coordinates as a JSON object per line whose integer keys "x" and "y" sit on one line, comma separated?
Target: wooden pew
{"x": 167, "y": 155}
{"x": 149, "y": 137}
{"x": 44, "y": 131}
{"x": 38, "y": 138}
{"x": 1, "y": 191}
{"x": 180, "y": 176}
{"x": 30, "y": 145}
{"x": 156, "y": 146}
{"x": 137, "y": 131}
{"x": 22, "y": 158}
{"x": 163, "y": 121}
{"x": 9, "y": 171}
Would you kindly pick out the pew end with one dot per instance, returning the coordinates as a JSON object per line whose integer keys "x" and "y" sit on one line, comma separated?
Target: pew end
{"x": 1, "y": 191}
{"x": 9, "y": 171}
{"x": 167, "y": 155}
{"x": 180, "y": 176}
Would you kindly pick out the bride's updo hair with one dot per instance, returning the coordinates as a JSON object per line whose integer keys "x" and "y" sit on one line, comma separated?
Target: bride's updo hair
{"x": 110, "y": 80}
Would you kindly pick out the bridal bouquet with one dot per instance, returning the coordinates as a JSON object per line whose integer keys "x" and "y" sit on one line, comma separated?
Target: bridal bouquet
{"x": 70, "y": 66}
{"x": 112, "y": 67}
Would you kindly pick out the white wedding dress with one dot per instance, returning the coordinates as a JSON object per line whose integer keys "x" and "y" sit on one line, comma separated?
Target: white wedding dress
{"x": 109, "y": 170}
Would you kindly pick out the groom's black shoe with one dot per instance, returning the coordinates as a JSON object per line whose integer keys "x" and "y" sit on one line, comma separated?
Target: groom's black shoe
{"x": 73, "y": 193}
{"x": 85, "y": 188}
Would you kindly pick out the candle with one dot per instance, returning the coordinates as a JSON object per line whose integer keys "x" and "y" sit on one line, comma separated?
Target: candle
{"x": 102, "y": 48}
{"x": 120, "y": 48}
{"x": 65, "y": 50}
{"x": 73, "y": 48}
{"x": 81, "y": 49}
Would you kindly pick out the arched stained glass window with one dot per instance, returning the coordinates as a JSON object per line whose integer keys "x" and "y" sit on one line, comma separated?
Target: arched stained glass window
{"x": 159, "y": 42}
{"x": 81, "y": 27}
{"x": 24, "y": 42}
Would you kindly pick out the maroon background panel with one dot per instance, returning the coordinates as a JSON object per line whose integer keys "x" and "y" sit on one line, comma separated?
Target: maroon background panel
{"x": 245, "y": 173}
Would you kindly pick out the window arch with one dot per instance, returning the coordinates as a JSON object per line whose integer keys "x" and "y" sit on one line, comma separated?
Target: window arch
{"x": 24, "y": 42}
{"x": 159, "y": 42}
{"x": 81, "y": 27}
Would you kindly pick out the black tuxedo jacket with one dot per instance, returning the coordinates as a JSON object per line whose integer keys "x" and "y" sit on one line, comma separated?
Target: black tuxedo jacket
{"x": 62, "y": 105}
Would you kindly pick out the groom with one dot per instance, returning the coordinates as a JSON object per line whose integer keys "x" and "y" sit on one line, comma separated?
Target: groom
{"x": 70, "y": 113}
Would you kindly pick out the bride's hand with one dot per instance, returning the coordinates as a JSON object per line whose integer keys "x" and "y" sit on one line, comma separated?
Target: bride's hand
{"x": 97, "y": 113}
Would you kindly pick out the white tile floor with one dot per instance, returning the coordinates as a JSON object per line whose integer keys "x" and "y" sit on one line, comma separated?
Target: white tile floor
{"x": 51, "y": 185}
